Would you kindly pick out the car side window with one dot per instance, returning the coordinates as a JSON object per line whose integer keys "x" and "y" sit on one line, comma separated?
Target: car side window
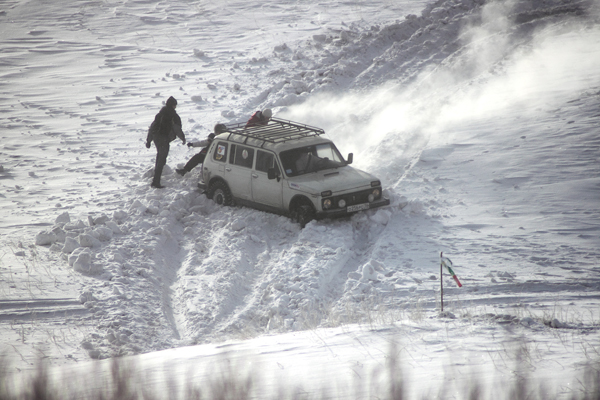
{"x": 220, "y": 153}
{"x": 265, "y": 160}
{"x": 242, "y": 156}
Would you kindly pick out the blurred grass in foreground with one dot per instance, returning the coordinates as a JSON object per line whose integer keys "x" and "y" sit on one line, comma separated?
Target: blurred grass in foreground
{"x": 127, "y": 382}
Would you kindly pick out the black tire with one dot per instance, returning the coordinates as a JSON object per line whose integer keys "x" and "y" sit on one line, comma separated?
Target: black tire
{"x": 303, "y": 214}
{"x": 219, "y": 192}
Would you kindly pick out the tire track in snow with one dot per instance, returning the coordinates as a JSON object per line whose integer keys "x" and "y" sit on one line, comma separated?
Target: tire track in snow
{"x": 249, "y": 272}
{"x": 38, "y": 308}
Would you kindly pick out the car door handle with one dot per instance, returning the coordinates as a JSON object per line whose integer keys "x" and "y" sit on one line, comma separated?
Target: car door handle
{"x": 254, "y": 176}
{"x": 227, "y": 169}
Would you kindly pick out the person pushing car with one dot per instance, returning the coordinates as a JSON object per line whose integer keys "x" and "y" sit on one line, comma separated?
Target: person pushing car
{"x": 205, "y": 144}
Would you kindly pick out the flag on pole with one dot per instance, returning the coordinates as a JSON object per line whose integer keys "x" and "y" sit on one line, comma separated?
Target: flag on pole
{"x": 448, "y": 264}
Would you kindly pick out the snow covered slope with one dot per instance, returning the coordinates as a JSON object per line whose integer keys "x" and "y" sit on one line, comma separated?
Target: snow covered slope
{"x": 481, "y": 118}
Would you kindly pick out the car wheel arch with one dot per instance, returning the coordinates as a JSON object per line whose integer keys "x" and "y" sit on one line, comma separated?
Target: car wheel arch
{"x": 299, "y": 200}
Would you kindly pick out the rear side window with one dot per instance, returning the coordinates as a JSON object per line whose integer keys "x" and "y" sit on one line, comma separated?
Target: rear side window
{"x": 242, "y": 156}
{"x": 220, "y": 153}
{"x": 265, "y": 160}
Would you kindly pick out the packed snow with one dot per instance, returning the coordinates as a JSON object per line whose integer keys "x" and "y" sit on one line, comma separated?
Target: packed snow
{"x": 480, "y": 118}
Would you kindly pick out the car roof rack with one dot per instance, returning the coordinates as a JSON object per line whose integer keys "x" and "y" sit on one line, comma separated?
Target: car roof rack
{"x": 276, "y": 131}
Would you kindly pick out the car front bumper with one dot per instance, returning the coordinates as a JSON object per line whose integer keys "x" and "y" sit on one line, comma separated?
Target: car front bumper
{"x": 342, "y": 212}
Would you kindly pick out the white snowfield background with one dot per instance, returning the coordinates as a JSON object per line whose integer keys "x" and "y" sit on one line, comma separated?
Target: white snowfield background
{"x": 481, "y": 118}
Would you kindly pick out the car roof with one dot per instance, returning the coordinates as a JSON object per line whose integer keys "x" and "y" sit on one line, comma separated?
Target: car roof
{"x": 278, "y": 135}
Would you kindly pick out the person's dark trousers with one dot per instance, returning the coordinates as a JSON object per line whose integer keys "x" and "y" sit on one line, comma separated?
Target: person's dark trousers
{"x": 162, "y": 152}
{"x": 194, "y": 161}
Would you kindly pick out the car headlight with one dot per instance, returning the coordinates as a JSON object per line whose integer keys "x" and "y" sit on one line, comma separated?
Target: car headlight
{"x": 327, "y": 203}
{"x": 371, "y": 198}
{"x": 376, "y": 193}
{"x": 342, "y": 203}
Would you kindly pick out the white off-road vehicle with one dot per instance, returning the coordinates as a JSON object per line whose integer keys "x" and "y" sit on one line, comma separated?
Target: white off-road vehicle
{"x": 286, "y": 168}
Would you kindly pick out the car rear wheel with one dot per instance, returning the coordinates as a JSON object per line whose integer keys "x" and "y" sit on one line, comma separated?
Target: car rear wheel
{"x": 219, "y": 192}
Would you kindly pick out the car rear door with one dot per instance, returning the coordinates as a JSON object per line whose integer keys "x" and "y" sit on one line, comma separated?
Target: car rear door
{"x": 238, "y": 172}
{"x": 264, "y": 190}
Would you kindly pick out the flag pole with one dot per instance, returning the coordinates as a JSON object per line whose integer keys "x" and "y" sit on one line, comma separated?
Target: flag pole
{"x": 441, "y": 283}
{"x": 445, "y": 262}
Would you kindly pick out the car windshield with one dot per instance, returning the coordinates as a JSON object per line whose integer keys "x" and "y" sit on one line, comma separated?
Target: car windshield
{"x": 304, "y": 160}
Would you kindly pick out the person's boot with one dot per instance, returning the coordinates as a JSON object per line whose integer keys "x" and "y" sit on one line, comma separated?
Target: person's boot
{"x": 181, "y": 171}
{"x": 156, "y": 185}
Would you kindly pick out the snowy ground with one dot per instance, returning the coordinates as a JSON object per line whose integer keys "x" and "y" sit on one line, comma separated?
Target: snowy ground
{"x": 481, "y": 120}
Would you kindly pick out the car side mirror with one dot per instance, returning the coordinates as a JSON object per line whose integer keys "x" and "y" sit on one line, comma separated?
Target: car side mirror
{"x": 273, "y": 174}
{"x": 350, "y": 158}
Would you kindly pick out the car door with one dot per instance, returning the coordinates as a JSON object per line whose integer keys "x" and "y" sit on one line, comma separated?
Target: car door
{"x": 238, "y": 172}
{"x": 264, "y": 190}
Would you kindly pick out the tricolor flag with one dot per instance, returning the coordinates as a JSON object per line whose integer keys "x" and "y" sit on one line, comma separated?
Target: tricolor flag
{"x": 448, "y": 264}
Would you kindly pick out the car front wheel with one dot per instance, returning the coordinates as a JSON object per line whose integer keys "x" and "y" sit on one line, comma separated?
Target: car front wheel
{"x": 303, "y": 214}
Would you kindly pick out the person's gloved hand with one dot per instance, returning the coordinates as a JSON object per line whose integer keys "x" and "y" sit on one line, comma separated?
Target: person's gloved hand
{"x": 148, "y": 144}
{"x": 183, "y": 141}
{"x": 190, "y": 144}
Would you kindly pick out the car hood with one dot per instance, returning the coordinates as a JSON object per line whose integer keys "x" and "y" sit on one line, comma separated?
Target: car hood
{"x": 337, "y": 180}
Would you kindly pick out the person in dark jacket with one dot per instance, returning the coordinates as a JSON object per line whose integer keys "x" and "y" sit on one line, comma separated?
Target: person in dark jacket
{"x": 205, "y": 144}
{"x": 165, "y": 128}
{"x": 260, "y": 118}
